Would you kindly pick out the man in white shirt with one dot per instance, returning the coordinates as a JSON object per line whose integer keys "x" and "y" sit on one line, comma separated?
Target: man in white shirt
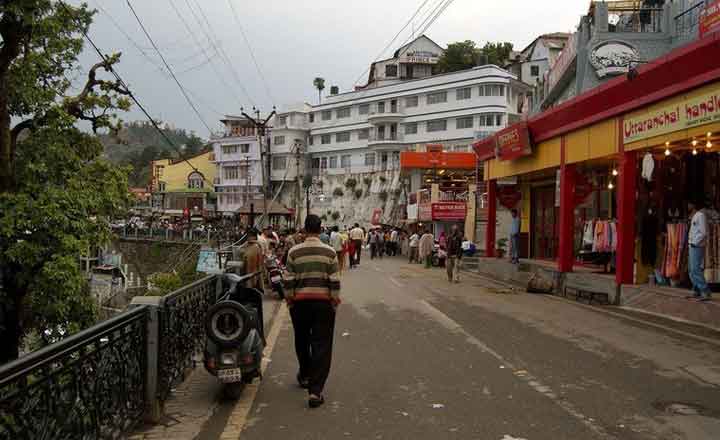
{"x": 357, "y": 235}
{"x": 697, "y": 237}
{"x": 414, "y": 243}
{"x": 394, "y": 240}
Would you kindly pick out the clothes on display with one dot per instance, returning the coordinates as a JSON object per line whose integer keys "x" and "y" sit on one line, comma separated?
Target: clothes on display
{"x": 600, "y": 235}
{"x": 712, "y": 254}
{"x": 675, "y": 256}
{"x": 648, "y": 166}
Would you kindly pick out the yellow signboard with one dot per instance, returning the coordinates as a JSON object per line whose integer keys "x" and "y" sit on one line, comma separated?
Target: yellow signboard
{"x": 690, "y": 112}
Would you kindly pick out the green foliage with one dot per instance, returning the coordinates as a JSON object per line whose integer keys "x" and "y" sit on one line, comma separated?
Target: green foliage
{"x": 319, "y": 84}
{"x": 466, "y": 54}
{"x": 383, "y": 195}
{"x": 502, "y": 243}
{"x": 329, "y": 212}
{"x": 338, "y": 192}
{"x": 367, "y": 181}
{"x": 350, "y": 183}
{"x": 323, "y": 218}
{"x": 335, "y": 215}
{"x": 383, "y": 179}
{"x": 358, "y": 193}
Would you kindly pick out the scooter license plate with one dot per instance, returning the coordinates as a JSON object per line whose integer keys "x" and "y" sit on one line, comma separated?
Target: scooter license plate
{"x": 276, "y": 279}
{"x": 230, "y": 375}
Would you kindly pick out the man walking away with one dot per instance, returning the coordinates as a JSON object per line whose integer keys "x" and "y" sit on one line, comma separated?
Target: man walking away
{"x": 373, "y": 244}
{"x": 394, "y": 240}
{"x": 515, "y": 237}
{"x": 313, "y": 293}
{"x": 697, "y": 237}
{"x": 357, "y": 235}
{"x": 413, "y": 244}
{"x": 427, "y": 245}
{"x": 336, "y": 242}
{"x": 454, "y": 254}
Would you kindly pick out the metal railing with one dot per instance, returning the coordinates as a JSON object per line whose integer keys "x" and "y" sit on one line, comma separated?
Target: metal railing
{"x": 687, "y": 21}
{"x": 88, "y": 386}
{"x": 171, "y": 235}
{"x": 637, "y": 20}
{"x": 390, "y": 136}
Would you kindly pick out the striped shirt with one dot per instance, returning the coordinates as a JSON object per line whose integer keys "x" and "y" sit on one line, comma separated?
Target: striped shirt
{"x": 312, "y": 272}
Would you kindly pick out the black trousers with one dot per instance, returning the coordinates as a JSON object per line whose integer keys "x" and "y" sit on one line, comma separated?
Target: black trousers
{"x": 358, "y": 250}
{"x": 314, "y": 325}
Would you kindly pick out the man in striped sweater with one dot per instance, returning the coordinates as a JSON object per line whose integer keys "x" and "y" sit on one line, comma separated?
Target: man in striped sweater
{"x": 313, "y": 293}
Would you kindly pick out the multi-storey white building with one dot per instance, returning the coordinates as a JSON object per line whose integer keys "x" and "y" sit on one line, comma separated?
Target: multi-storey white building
{"x": 239, "y": 167}
{"x": 288, "y": 142}
{"x": 365, "y": 130}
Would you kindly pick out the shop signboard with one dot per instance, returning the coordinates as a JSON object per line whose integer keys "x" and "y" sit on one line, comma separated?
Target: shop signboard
{"x": 448, "y": 211}
{"x": 690, "y": 112}
{"x": 412, "y": 211}
{"x": 508, "y": 196}
{"x": 376, "y": 216}
{"x": 424, "y": 212}
{"x": 709, "y": 20}
{"x": 485, "y": 148}
{"x": 513, "y": 142}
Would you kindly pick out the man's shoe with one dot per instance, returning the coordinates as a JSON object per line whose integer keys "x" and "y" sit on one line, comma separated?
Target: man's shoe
{"x": 703, "y": 299}
{"x": 315, "y": 401}
{"x": 303, "y": 382}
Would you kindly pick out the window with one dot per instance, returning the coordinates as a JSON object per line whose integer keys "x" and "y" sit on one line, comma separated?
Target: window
{"x": 279, "y": 140}
{"x": 310, "y": 140}
{"x": 323, "y": 163}
{"x": 381, "y": 107}
{"x": 464, "y": 93}
{"x": 312, "y": 117}
{"x": 159, "y": 170}
{"x": 282, "y": 120}
{"x": 436, "y": 98}
{"x": 343, "y": 112}
{"x": 369, "y": 159}
{"x": 411, "y": 128}
{"x": 466, "y": 122}
{"x": 498, "y": 120}
{"x": 345, "y": 160}
{"x": 279, "y": 162}
{"x": 342, "y": 137}
{"x": 161, "y": 186}
{"x": 364, "y": 109}
{"x": 326, "y": 115}
{"x": 535, "y": 70}
{"x": 195, "y": 180}
{"x": 439, "y": 125}
{"x": 492, "y": 90}
{"x": 364, "y": 133}
{"x": 391, "y": 70}
{"x": 244, "y": 148}
{"x": 229, "y": 149}
{"x": 411, "y": 101}
{"x": 231, "y": 173}
{"x": 460, "y": 148}
{"x": 333, "y": 162}
{"x": 325, "y": 139}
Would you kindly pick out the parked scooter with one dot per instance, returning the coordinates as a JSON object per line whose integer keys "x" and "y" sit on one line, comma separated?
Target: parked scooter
{"x": 235, "y": 335}
{"x": 275, "y": 269}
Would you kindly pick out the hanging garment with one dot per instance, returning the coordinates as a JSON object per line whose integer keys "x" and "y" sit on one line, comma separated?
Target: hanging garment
{"x": 648, "y": 166}
{"x": 588, "y": 233}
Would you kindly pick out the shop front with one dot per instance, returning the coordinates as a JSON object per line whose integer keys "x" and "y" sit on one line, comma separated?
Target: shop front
{"x": 605, "y": 178}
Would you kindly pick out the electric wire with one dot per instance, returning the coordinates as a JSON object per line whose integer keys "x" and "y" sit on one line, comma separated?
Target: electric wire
{"x": 391, "y": 41}
{"x": 250, "y": 49}
{"x": 182, "y": 89}
{"x": 132, "y": 96}
{"x": 439, "y": 13}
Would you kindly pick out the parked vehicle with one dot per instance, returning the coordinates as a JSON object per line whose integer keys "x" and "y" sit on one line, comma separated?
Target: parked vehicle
{"x": 439, "y": 256}
{"x": 275, "y": 270}
{"x": 235, "y": 335}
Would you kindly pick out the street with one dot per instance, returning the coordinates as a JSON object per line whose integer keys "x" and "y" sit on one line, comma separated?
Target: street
{"x": 418, "y": 358}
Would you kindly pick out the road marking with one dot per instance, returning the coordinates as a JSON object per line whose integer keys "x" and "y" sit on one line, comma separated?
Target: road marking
{"x": 396, "y": 282}
{"x": 239, "y": 413}
{"x": 532, "y": 381}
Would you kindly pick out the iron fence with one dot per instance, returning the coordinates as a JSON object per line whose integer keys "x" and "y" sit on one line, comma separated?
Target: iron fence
{"x": 686, "y": 22}
{"x": 88, "y": 386}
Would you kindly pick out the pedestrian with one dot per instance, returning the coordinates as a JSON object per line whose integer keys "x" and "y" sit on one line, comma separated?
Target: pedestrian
{"x": 697, "y": 237}
{"x": 357, "y": 235}
{"x": 426, "y": 247}
{"x": 324, "y": 237}
{"x": 413, "y": 244}
{"x": 253, "y": 258}
{"x": 380, "y": 243}
{"x": 454, "y": 255}
{"x": 373, "y": 241}
{"x": 351, "y": 252}
{"x": 336, "y": 242}
{"x": 515, "y": 237}
{"x": 394, "y": 240}
{"x": 313, "y": 294}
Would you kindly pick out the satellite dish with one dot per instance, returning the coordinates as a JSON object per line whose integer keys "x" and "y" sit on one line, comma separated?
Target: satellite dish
{"x": 613, "y": 19}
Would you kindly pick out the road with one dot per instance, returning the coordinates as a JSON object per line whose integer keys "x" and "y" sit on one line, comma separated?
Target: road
{"x": 418, "y": 358}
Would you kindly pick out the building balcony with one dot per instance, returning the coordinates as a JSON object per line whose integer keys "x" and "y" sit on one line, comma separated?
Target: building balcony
{"x": 389, "y": 116}
{"x": 388, "y": 139}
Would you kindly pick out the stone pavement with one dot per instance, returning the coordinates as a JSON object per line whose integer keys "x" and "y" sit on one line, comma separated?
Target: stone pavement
{"x": 194, "y": 401}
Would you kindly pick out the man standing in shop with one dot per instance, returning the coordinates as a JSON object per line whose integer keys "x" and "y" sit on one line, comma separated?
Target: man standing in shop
{"x": 515, "y": 237}
{"x": 454, "y": 254}
{"x": 357, "y": 235}
{"x": 697, "y": 237}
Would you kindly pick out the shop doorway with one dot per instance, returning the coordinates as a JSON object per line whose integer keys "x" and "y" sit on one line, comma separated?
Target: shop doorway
{"x": 543, "y": 223}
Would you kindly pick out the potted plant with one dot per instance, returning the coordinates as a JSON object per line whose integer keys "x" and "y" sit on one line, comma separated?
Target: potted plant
{"x": 501, "y": 247}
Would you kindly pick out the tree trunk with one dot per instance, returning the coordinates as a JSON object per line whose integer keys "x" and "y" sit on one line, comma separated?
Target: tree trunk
{"x": 6, "y": 153}
{"x": 10, "y": 322}
{"x": 319, "y": 96}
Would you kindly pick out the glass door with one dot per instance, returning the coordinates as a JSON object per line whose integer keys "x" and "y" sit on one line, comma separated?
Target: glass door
{"x": 544, "y": 223}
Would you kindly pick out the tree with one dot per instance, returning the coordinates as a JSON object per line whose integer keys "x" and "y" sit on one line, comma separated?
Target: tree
{"x": 496, "y": 53}
{"x": 319, "y": 84}
{"x": 57, "y": 193}
{"x": 466, "y": 54}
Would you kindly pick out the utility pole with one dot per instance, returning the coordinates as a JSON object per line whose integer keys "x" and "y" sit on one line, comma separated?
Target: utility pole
{"x": 247, "y": 200}
{"x": 298, "y": 145}
{"x": 261, "y": 127}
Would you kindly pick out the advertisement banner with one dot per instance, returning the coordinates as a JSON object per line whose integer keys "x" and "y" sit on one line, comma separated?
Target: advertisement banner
{"x": 425, "y": 212}
{"x": 709, "y": 20}
{"x": 449, "y": 211}
{"x": 691, "y": 112}
{"x": 376, "y": 216}
{"x": 412, "y": 212}
{"x": 485, "y": 148}
{"x": 513, "y": 142}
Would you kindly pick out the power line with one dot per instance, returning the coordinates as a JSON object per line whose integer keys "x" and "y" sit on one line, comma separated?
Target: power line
{"x": 199, "y": 44}
{"x": 392, "y": 41}
{"x": 119, "y": 79}
{"x": 250, "y": 49}
{"x": 182, "y": 89}
{"x": 444, "y": 7}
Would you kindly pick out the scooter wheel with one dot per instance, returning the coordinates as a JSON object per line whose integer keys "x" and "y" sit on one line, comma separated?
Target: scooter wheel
{"x": 234, "y": 390}
{"x": 227, "y": 323}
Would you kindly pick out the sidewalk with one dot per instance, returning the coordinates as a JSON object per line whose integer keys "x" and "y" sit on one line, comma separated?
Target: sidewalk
{"x": 194, "y": 401}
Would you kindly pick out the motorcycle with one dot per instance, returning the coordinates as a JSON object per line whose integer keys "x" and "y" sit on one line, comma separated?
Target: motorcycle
{"x": 439, "y": 255}
{"x": 274, "y": 269}
{"x": 235, "y": 335}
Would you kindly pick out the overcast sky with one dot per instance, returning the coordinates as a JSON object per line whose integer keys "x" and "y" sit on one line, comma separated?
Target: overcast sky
{"x": 293, "y": 41}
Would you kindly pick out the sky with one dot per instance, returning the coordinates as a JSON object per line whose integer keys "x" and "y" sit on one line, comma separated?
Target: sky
{"x": 293, "y": 42}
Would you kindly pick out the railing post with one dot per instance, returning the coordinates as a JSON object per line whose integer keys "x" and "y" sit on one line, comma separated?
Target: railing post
{"x": 153, "y": 405}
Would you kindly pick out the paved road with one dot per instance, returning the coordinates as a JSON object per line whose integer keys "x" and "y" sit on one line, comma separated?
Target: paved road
{"x": 419, "y": 358}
